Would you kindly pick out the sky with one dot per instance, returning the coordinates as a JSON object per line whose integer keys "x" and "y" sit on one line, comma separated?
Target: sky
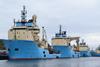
{"x": 77, "y": 17}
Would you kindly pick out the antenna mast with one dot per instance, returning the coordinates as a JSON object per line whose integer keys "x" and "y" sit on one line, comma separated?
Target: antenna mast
{"x": 60, "y": 29}
{"x": 23, "y": 14}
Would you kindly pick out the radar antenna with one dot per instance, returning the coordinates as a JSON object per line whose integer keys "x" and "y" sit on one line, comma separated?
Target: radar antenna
{"x": 23, "y": 14}
{"x": 34, "y": 17}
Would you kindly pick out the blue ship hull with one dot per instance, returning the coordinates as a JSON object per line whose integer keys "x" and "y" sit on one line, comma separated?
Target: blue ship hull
{"x": 85, "y": 54}
{"x": 94, "y": 54}
{"x": 22, "y": 49}
{"x": 66, "y": 51}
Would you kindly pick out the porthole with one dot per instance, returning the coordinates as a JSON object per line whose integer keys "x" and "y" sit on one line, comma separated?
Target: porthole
{"x": 44, "y": 55}
{"x": 16, "y": 49}
{"x": 43, "y": 52}
{"x": 8, "y": 49}
{"x": 57, "y": 56}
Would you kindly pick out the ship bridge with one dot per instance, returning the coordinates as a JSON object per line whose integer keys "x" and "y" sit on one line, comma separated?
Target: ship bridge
{"x": 62, "y": 39}
{"x": 24, "y": 29}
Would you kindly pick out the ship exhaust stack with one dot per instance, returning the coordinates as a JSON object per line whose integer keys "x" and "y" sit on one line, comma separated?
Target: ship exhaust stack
{"x": 34, "y": 17}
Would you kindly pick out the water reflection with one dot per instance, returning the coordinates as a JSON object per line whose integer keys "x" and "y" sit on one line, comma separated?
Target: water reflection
{"x": 77, "y": 62}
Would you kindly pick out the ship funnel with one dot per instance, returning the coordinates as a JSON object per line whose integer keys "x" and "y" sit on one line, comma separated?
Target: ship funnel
{"x": 34, "y": 17}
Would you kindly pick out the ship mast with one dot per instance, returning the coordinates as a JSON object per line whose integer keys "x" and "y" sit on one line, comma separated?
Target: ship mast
{"x": 23, "y": 14}
{"x": 14, "y": 22}
{"x": 60, "y": 29}
{"x": 44, "y": 36}
{"x": 14, "y": 30}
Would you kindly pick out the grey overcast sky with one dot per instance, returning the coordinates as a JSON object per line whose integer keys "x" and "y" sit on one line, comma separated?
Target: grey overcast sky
{"x": 78, "y": 17}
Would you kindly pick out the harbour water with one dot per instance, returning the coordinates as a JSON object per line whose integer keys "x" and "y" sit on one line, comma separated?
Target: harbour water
{"x": 76, "y": 62}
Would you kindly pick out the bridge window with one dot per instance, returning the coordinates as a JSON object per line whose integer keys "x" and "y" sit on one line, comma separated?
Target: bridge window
{"x": 44, "y": 55}
{"x": 18, "y": 36}
{"x": 23, "y": 32}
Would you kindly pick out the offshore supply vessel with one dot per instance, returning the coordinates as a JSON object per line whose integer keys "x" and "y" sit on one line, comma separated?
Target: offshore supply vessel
{"x": 62, "y": 43}
{"x": 82, "y": 48}
{"x": 96, "y": 52}
{"x": 24, "y": 41}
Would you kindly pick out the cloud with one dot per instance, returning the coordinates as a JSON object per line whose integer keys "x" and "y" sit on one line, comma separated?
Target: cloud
{"x": 93, "y": 39}
{"x": 78, "y": 17}
{"x": 82, "y": 3}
